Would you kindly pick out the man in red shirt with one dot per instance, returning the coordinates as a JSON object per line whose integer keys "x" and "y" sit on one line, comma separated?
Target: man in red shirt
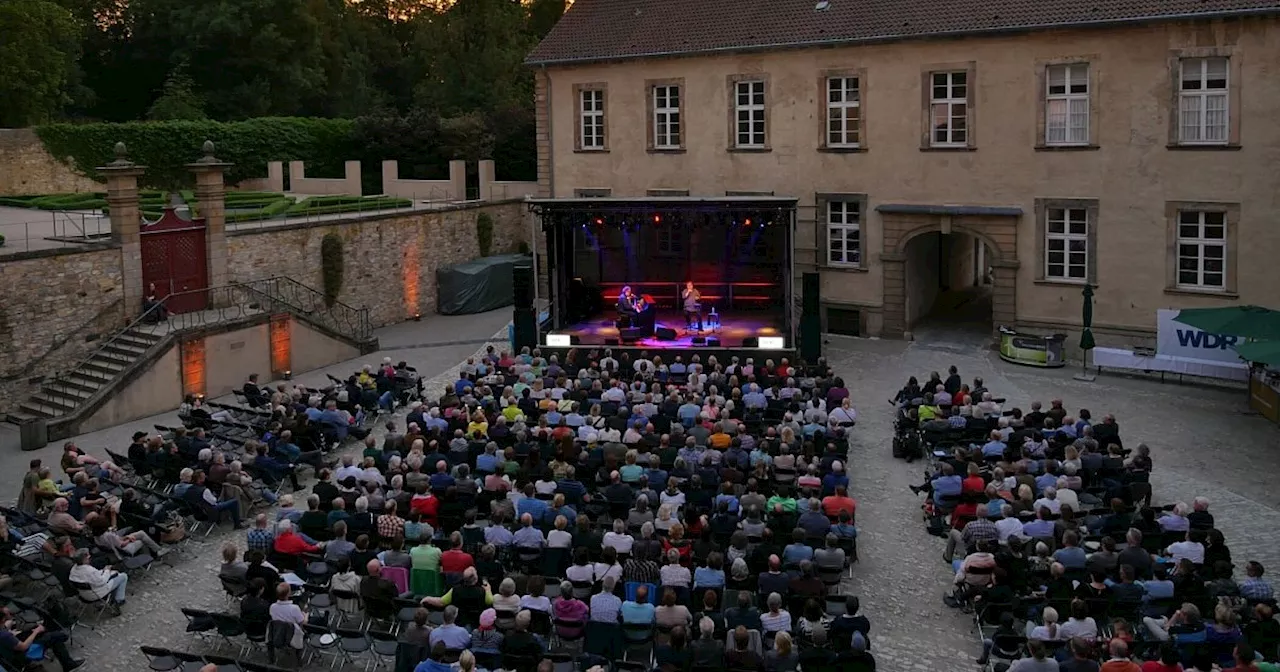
{"x": 1119, "y": 661}
{"x": 289, "y": 542}
{"x": 426, "y": 505}
{"x": 832, "y": 505}
{"x": 455, "y": 560}
{"x": 973, "y": 483}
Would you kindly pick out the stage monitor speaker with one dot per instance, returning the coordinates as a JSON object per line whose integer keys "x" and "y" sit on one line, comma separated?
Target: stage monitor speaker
{"x": 713, "y": 342}
{"x": 522, "y": 286}
{"x": 699, "y": 340}
{"x": 810, "y": 302}
{"x": 751, "y": 342}
{"x": 665, "y": 334}
{"x": 632, "y": 333}
{"x": 525, "y": 326}
{"x": 811, "y": 319}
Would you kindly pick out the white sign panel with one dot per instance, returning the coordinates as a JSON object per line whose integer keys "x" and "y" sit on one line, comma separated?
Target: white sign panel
{"x": 1181, "y": 340}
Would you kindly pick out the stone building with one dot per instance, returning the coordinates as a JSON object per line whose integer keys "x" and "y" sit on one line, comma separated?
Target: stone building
{"x": 996, "y": 153}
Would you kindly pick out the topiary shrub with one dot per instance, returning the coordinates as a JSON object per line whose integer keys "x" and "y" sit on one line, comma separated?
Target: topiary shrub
{"x": 484, "y": 233}
{"x": 331, "y": 267}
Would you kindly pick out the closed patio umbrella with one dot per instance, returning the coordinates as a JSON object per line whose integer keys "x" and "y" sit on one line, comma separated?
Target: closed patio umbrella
{"x": 1086, "y": 335}
{"x": 1261, "y": 352}
{"x": 1243, "y": 321}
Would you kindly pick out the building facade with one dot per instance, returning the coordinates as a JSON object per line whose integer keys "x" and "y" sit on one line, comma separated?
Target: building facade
{"x": 1138, "y": 155}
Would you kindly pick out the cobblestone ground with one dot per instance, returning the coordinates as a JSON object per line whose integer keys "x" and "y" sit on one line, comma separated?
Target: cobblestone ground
{"x": 1202, "y": 443}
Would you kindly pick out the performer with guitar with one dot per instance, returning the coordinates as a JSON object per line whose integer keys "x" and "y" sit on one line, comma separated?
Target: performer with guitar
{"x": 692, "y": 306}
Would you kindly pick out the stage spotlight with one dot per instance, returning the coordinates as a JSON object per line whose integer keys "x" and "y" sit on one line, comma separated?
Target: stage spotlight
{"x": 657, "y": 219}
{"x": 599, "y": 221}
{"x": 748, "y": 222}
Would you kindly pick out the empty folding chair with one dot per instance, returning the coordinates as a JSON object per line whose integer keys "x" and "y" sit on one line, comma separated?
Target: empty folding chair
{"x": 160, "y": 660}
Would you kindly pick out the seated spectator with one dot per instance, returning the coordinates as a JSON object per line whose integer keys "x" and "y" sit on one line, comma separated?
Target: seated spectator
{"x": 15, "y": 644}
{"x": 569, "y": 609}
{"x": 639, "y": 610}
{"x": 707, "y": 651}
{"x": 450, "y": 634}
{"x": 528, "y": 536}
{"x": 486, "y": 638}
{"x": 781, "y": 658}
{"x": 1119, "y": 660}
{"x": 741, "y": 656}
{"x": 606, "y": 607}
{"x": 99, "y": 583}
{"x": 674, "y": 574}
{"x": 288, "y": 542}
{"x": 521, "y": 642}
{"x": 744, "y": 614}
{"x": 712, "y": 575}
{"x": 670, "y": 614}
{"x": 560, "y": 537}
{"x": 797, "y": 551}
{"x": 1080, "y": 625}
{"x": 286, "y": 611}
{"x": 776, "y": 619}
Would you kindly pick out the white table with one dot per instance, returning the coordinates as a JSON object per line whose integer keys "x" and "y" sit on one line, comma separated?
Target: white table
{"x": 1115, "y": 358}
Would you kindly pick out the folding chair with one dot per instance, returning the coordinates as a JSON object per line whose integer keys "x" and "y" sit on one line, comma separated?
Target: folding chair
{"x": 191, "y": 662}
{"x": 318, "y": 641}
{"x": 224, "y": 663}
{"x": 200, "y": 623}
{"x": 160, "y": 660}
{"x": 101, "y": 604}
{"x": 229, "y": 627}
{"x": 352, "y": 643}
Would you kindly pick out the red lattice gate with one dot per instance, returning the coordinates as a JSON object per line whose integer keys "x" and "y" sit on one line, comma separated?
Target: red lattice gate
{"x": 173, "y": 259}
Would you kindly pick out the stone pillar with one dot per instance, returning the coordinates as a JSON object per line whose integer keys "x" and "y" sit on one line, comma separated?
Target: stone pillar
{"x": 211, "y": 195}
{"x": 488, "y": 175}
{"x": 1004, "y": 294}
{"x": 458, "y": 180}
{"x": 126, "y": 222}
{"x": 895, "y": 294}
{"x": 275, "y": 176}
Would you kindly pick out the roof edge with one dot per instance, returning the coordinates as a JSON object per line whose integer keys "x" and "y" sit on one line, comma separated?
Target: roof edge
{"x": 882, "y": 39}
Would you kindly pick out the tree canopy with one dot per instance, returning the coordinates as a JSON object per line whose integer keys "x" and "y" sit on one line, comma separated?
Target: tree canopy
{"x": 459, "y": 61}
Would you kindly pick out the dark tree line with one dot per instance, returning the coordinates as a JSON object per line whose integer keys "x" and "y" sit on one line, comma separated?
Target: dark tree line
{"x": 456, "y": 63}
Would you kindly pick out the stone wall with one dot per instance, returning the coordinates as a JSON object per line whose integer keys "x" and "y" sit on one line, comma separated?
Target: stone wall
{"x": 55, "y": 308}
{"x": 27, "y": 168}
{"x": 391, "y": 260}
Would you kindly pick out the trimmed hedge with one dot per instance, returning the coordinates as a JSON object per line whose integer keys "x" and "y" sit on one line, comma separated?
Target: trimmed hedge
{"x": 328, "y": 205}
{"x": 166, "y": 147}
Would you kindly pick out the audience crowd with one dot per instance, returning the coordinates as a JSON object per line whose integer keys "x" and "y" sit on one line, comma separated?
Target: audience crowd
{"x": 1059, "y": 553}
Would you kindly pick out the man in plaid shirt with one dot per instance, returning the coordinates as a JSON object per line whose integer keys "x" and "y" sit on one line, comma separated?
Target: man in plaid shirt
{"x": 260, "y": 537}
{"x": 1254, "y": 588}
{"x": 979, "y": 529}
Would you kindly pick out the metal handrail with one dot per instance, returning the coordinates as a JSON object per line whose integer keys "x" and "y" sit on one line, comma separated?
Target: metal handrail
{"x": 232, "y": 302}
{"x": 307, "y": 302}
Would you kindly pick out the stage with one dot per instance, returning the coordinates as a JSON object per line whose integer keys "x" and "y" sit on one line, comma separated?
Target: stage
{"x": 737, "y": 252}
{"x": 736, "y": 326}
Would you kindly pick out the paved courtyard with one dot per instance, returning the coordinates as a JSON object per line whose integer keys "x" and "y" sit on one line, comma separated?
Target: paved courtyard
{"x": 1202, "y": 443}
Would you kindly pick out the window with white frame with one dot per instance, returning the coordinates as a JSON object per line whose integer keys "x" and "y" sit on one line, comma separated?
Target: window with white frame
{"x": 949, "y": 109}
{"x": 1067, "y": 105}
{"x": 591, "y": 112}
{"x": 844, "y": 112}
{"x": 1066, "y": 244}
{"x": 1202, "y": 101}
{"x": 749, "y": 111}
{"x": 1202, "y": 249}
{"x": 666, "y": 116}
{"x": 844, "y": 233}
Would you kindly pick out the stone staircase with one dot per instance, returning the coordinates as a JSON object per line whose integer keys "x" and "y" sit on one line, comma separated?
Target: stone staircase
{"x": 68, "y": 397}
{"x": 65, "y": 393}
